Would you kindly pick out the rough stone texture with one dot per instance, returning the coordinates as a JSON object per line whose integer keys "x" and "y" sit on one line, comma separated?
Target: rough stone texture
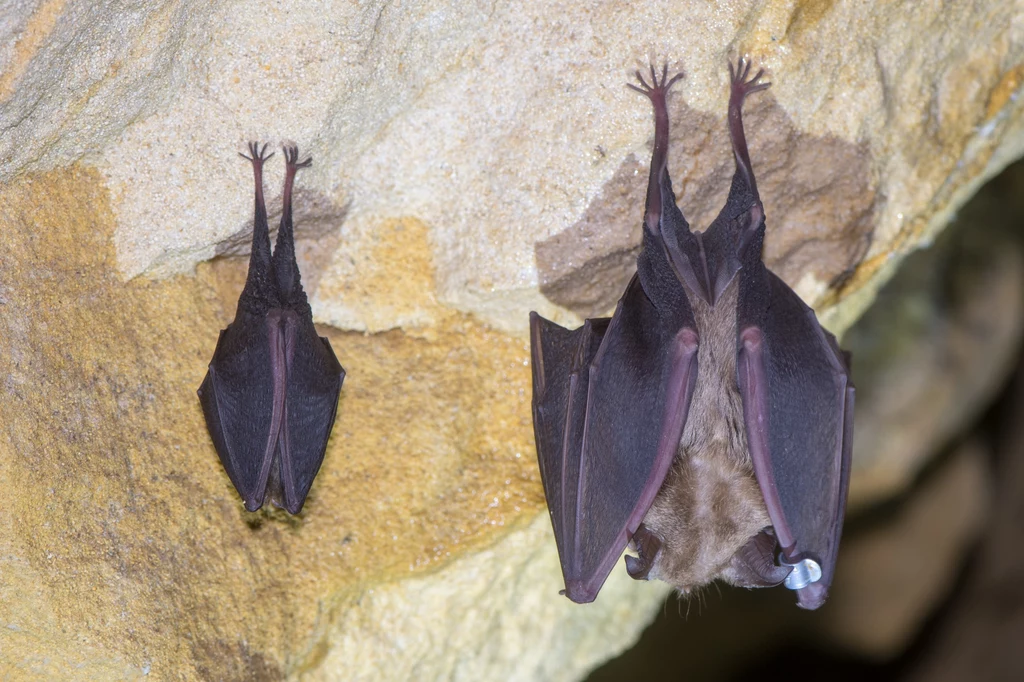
{"x": 472, "y": 162}
{"x": 501, "y": 127}
{"x": 484, "y": 619}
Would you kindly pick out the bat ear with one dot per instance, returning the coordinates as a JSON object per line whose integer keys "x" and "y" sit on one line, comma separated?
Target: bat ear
{"x": 754, "y": 564}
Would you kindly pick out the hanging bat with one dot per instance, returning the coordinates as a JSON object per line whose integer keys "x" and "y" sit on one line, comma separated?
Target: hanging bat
{"x": 709, "y": 422}
{"x": 271, "y": 392}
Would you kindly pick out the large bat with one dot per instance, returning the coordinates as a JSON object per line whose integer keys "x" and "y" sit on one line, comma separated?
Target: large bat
{"x": 272, "y": 389}
{"x": 709, "y": 422}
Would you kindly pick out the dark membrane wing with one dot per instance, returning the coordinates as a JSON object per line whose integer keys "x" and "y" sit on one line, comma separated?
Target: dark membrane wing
{"x": 313, "y": 386}
{"x": 728, "y": 237}
{"x": 672, "y": 258}
{"x": 798, "y": 408}
{"x": 237, "y": 397}
{"x": 641, "y": 383}
{"x": 561, "y": 373}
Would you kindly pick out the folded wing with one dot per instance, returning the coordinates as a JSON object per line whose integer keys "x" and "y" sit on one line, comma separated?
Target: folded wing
{"x": 313, "y": 386}
{"x": 607, "y": 428}
{"x": 798, "y": 409}
{"x": 237, "y": 397}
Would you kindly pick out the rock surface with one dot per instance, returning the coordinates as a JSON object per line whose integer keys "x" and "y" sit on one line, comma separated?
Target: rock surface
{"x": 508, "y": 132}
{"x": 472, "y": 162}
{"x": 125, "y": 547}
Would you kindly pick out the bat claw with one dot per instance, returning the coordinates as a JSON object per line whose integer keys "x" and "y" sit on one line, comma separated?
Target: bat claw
{"x": 647, "y": 545}
{"x": 741, "y": 86}
{"x": 636, "y": 568}
{"x": 256, "y": 155}
{"x": 657, "y": 87}
{"x": 291, "y": 156}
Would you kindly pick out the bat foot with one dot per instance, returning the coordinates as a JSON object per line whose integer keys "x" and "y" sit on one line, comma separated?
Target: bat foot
{"x": 658, "y": 88}
{"x": 291, "y": 157}
{"x": 636, "y": 569}
{"x": 754, "y": 564}
{"x": 256, "y": 154}
{"x": 741, "y": 85}
{"x": 647, "y": 545}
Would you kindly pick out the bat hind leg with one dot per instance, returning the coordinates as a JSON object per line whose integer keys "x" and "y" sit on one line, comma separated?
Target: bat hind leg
{"x": 647, "y": 545}
{"x": 656, "y": 91}
{"x": 740, "y": 88}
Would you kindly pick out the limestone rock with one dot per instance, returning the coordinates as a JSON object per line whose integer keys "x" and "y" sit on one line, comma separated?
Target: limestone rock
{"x": 507, "y": 131}
{"x": 125, "y": 548}
{"x": 485, "y": 617}
{"x": 472, "y": 162}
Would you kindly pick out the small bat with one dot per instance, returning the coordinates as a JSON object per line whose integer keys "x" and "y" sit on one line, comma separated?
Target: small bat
{"x": 709, "y": 422}
{"x": 271, "y": 393}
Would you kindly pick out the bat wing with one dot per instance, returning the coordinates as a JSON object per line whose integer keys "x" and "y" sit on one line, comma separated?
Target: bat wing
{"x": 561, "y": 376}
{"x": 237, "y": 397}
{"x": 270, "y": 404}
{"x": 313, "y": 386}
{"x": 604, "y": 455}
{"x": 798, "y": 409}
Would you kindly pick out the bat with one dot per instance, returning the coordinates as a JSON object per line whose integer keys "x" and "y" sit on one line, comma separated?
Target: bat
{"x": 271, "y": 393}
{"x": 708, "y": 424}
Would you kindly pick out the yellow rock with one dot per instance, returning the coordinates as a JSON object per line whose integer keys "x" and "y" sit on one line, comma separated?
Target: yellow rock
{"x": 124, "y": 540}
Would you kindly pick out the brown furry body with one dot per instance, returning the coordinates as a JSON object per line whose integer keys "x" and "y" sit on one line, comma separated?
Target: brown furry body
{"x": 710, "y": 504}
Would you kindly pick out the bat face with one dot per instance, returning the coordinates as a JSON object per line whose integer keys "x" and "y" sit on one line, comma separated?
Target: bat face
{"x": 708, "y": 423}
{"x": 271, "y": 393}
